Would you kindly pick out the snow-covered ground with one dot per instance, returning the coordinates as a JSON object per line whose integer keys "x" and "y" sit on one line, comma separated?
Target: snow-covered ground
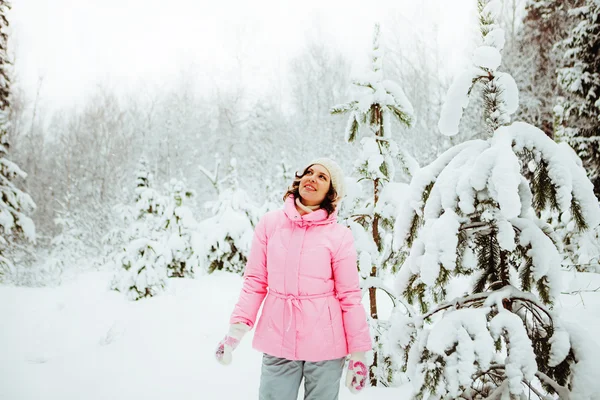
{"x": 81, "y": 340}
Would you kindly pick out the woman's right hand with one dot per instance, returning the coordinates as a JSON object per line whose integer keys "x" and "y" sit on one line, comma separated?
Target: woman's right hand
{"x": 230, "y": 342}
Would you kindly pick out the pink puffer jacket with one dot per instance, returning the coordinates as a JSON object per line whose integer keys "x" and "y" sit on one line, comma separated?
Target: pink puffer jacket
{"x": 306, "y": 268}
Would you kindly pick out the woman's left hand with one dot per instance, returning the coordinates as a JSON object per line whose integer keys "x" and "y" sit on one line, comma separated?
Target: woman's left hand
{"x": 356, "y": 376}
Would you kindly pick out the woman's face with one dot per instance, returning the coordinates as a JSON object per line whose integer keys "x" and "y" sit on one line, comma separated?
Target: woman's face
{"x": 314, "y": 185}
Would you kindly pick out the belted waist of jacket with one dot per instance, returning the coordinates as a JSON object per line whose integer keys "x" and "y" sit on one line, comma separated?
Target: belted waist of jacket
{"x": 292, "y": 301}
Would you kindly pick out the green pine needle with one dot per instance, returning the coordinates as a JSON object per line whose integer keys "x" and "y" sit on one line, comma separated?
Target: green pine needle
{"x": 353, "y": 130}
{"x": 488, "y": 259}
{"x": 372, "y": 114}
{"x": 343, "y": 108}
{"x": 525, "y": 275}
{"x": 543, "y": 189}
{"x": 544, "y": 290}
{"x": 401, "y": 115}
{"x": 577, "y": 214}
{"x": 415, "y": 224}
{"x": 363, "y": 84}
{"x": 384, "y": 170}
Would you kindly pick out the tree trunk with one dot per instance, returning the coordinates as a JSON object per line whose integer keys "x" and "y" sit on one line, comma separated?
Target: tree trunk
{"x": 374, "y": 272}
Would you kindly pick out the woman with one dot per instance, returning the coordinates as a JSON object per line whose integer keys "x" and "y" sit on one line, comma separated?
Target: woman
{"x": 304, "y": 263}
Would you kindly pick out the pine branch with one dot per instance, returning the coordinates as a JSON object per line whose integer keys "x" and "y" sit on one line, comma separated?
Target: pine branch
{"x": 432, "y": 375}
{"x": 498, "y": 393}
{"x": 363, "y": 118}
{"x": 371, "y": 282}
{"x": 458, "y": 303}
{"x": 363, "y": 84}
{"x": 525, "y": 274}
{"x": 512, "y": 293}
{"x": 372, "y": 115}
{"x": 426, "y": 193}
{"x": 415, "y": 224}
{"x": 485, "y": 20}
{"x": 582, "y": 291}
{"x": 418, "y": 291}
{"x": 384, "y": 170}
{"x": 540, "y": 339}
{"x": 543, "y": 189}
{"x": 353, "y": 130}
{"x": 544, "y": 289}
{"x": 401, "y": 115}
{"x": 488, "y": 259}
{"x": 577, "y": 214}
{"x": 493, "y": 113}
{"x": 343, "y": 108}
{"x": 563, "y": 392}
{"x": 534, "y": 390}
{"x": 482, "y": 228}
{"x": 440, "y": 283}
{"x": 417, "y": 219}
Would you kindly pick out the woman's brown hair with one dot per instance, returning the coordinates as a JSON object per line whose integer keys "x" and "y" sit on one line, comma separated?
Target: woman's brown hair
{"x": 328, "y": 203}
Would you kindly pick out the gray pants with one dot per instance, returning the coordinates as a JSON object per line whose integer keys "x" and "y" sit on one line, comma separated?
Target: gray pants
{"x": 280, "y": 379}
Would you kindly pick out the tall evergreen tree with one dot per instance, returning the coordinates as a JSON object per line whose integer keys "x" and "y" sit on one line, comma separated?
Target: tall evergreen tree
{"x": 376, "y": 101}
{"x": 532, "y": 59}
{"x": 475, "y": 212}
{"x": 14, "y": 204}
{"x": 580, "y": 77}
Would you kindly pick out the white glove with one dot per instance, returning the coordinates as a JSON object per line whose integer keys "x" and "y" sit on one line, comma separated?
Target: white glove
{"x": 356, "y": 375}
{"x": 230, "y": 342}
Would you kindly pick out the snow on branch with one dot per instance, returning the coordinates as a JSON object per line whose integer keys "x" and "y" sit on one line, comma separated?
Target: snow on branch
{"x": 568, "y": 178}
{"x": 457, "y": 100}
{"x": 520, "y": 362}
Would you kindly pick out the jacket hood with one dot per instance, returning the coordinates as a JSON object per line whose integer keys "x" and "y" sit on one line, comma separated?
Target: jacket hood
{"x": 318, "y": 217}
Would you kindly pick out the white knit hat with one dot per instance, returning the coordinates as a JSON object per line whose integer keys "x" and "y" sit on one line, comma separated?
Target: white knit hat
{"x": 336, "y": 174}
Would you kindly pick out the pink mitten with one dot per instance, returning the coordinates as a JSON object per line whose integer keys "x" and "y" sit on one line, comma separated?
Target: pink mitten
{"x": 356, "y": 376}
{"x": 230, "y": 342}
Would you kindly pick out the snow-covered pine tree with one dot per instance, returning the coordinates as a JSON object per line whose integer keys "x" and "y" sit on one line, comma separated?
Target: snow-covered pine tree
{"x": 14, "y": 203}
{"x": 580, "y": 77}
{"x": 227, "y": 235}
{"x": 143, "y": 256}
{"x": 375, "y": 102}
{"x": 474, "y": 212}
{"x": 181, "y": 228}
{"x": 533, "y": 60}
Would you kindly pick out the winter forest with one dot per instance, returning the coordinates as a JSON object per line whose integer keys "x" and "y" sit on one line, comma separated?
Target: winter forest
{"x": 127, "y": 214}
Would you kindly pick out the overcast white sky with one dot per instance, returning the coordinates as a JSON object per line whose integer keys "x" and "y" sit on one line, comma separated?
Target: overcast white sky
{"x": 76, "y": 44}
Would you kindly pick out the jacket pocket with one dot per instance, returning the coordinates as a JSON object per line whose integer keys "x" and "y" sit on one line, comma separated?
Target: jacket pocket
{"x": 329, "y": 311}
{"x": 338, "y": 331}
{"x": 331, "y": 329}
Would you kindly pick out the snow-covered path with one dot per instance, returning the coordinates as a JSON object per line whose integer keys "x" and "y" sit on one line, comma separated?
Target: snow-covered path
{"x": 81, "y": 340}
